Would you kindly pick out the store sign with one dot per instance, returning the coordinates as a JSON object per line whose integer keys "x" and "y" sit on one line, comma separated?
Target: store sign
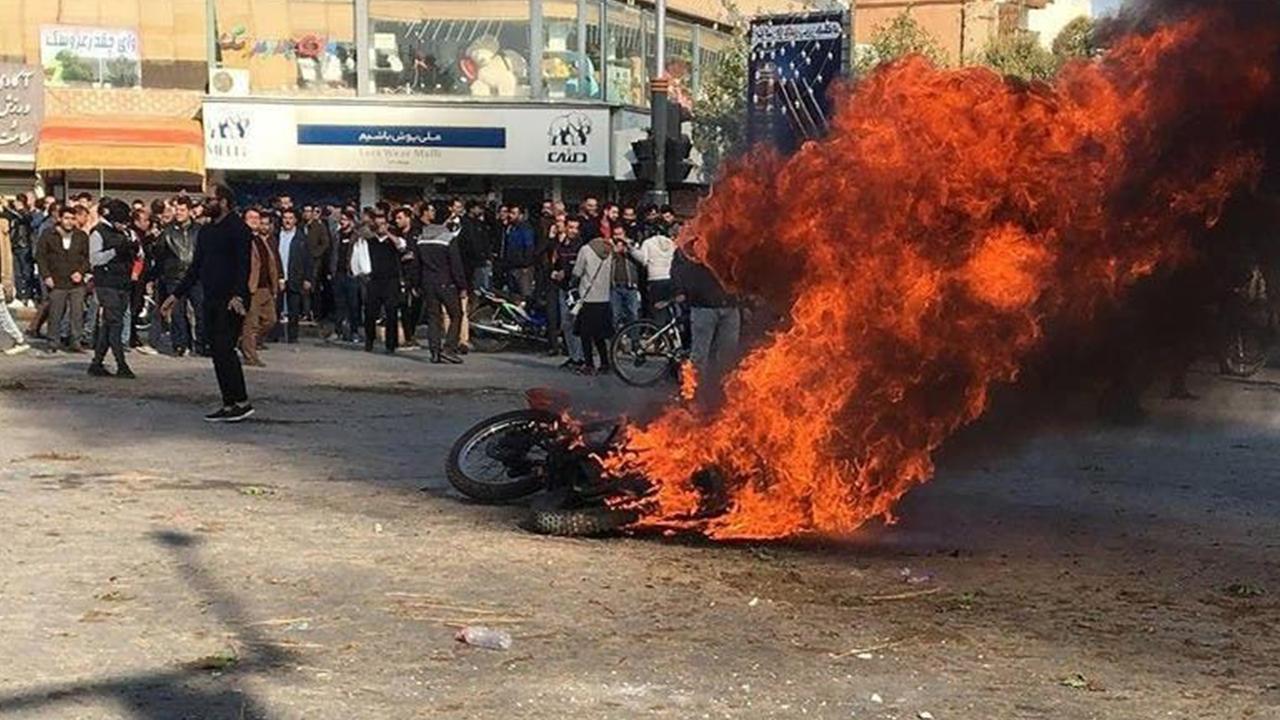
{"x": 101, "y": 57}
{"x": 793, "y": 62}
{"x": 437, "y": 140}
{"x": 21, "y": 111}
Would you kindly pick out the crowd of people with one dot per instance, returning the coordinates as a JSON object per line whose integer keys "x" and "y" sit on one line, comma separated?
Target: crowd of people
{"x": 98, "y": 270}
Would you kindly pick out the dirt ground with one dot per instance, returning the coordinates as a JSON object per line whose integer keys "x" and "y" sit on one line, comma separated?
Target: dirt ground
{"x": 314, "y": 564}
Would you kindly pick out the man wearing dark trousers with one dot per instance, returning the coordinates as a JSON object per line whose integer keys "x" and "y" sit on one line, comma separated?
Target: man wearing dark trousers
{"x": 221, "y": 265}
{"x": 384, "y": 284}
{"x": 62, "y": 254}
{"x": 299, "y": 271}
{"x": 111, "y": 251}
{"x": 442, "y": 282}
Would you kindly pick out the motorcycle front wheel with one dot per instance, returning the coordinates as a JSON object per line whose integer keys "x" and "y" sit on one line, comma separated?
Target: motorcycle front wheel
{"x": 502, "y": 458}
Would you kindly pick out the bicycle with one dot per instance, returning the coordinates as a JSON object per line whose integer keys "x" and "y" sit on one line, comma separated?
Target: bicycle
{"x": 643, "y": 352}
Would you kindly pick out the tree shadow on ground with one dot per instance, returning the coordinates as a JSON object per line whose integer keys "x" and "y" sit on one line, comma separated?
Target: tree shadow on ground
{"x": 208, "y": 687}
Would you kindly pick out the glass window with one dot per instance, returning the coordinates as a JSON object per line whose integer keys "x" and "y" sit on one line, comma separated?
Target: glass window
{"x": 450, "y": 47}
{"x": 712, "y": 45}
{"x": 289, "y": 47}
{"x": 571, "y": 66}
{"x": 680, "y": 61}
{"x": 627, "y": 57}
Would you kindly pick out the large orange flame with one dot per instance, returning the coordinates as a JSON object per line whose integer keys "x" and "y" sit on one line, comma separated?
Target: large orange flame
{"x": 924, "y": 247}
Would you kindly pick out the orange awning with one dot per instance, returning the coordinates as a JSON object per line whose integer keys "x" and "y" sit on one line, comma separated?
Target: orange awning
{"x": 121, "y": 143}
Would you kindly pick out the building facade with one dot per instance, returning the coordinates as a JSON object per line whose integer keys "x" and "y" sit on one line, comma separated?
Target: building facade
{"x": 964, "y": 27}
{"x": 519, "y": 99}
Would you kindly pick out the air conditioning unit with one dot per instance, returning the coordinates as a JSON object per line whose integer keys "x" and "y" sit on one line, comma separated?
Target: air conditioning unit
{"x": 229, "y": 82}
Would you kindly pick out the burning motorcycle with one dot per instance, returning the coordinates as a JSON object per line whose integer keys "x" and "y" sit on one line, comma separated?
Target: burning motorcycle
{"x": 540, "y": 449}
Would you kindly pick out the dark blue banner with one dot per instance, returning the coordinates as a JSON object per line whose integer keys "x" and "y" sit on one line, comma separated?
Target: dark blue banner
{"x": 792, "y": 62}
{"x": 403, "y": 136}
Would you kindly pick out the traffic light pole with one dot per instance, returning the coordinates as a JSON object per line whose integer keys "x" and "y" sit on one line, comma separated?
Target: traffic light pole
{"x": 658, "y": 110}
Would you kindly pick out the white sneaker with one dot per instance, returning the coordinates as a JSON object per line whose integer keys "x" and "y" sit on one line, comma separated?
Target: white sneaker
{"x": 16, "y": 304}
{"x": 147, "y": 350}
{"x": 17, "y": 349}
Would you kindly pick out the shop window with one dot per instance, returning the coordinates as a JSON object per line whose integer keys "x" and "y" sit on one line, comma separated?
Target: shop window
{"x": 712, "y": 45}
{"x": 628, "y": 37}
{"x": 680, "y": 61}
{"x": 478, "y": 48}
{"x": 289, "y": 47}
{"x": 571, "y": 66}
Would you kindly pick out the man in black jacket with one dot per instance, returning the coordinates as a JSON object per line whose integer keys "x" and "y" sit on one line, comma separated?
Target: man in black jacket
{"x": 715, "y": 320}
{"x": 21, "y": 235}
{"x": 112, "y": 249}
{"x": 174, "y": 250}
{"x": 442, "y": 283}
{"x": 62, "y": 254}
{"x": 383, "y": 294}
{"x": 221, "y": 265}
{"x": 476, "y": 244}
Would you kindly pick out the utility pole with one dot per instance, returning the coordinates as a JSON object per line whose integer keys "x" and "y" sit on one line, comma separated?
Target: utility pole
{"x": 658, "y": 87}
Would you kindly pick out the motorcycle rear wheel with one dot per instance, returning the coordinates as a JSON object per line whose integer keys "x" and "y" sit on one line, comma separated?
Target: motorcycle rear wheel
{"x": 475, "y": 473}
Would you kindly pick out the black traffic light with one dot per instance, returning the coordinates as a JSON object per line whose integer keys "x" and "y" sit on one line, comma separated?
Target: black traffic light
{"x": 678, "y": 164}
{"x": 644, "y": 165}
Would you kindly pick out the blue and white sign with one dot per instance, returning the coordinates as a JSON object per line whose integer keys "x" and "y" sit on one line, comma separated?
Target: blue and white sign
{"x": 281, "y": 136}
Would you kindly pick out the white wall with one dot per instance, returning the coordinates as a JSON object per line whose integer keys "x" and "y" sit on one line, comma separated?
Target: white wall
{"x": 1050, "y": 20}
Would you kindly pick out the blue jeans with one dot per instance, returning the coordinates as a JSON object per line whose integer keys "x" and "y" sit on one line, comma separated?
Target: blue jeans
{"x": 482, "y": 277}
{"x": 572, "y": 343}
{"x": 180, "y": 321}
{"x": 625, "y": 303}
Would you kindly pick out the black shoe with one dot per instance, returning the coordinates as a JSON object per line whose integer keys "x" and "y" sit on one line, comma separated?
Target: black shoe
{"x": 124, "y": 371}
{"x": 436, "y": 358}
{"x": 238, "y": 413}
{"x": 464, "y": 349}
{"x": 570, "y": 364}
{"x": 218, "y": 415}
{"x": 451, "y": 358}
{"x": 180, "y": 352}
{"x": 97, "y": 370}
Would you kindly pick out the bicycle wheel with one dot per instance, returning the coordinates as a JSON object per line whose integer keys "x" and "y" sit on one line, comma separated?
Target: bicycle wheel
{"x": 1244, "y": 353}
{"x": 642, "y": 353}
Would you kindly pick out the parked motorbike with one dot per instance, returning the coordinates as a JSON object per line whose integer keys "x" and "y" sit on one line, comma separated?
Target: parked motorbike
{"x": 520, "y": 453}
{"x": 498, "y": 321}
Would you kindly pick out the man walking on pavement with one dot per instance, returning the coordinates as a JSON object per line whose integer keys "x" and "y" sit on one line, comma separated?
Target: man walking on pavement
{"x": 221, "y": 264}
{"x": 111, "y": 252}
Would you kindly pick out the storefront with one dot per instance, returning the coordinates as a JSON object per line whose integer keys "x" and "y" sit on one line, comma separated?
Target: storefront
{"x": 21, "y": 114}
{"x": 325, "y": 151}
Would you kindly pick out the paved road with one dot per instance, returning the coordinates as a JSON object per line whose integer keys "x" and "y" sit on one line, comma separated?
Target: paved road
{"x": 312, "y": 564}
